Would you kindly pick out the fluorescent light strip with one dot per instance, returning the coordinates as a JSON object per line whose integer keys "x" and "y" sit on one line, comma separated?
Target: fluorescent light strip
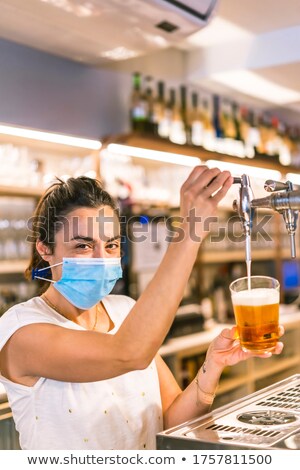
{"x": 50, "y": 137}
{"x": 293, "y": 177}
{"x": 238, "y": 170}
{"x": 166, "y": 157}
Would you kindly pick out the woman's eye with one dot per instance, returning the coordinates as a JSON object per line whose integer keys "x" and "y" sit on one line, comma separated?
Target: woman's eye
{"x": 113, "y": 246}
{"x": 83, "y": 246}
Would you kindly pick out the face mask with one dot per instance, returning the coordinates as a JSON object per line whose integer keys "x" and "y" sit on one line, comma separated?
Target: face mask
{"x": 85, "y": 281}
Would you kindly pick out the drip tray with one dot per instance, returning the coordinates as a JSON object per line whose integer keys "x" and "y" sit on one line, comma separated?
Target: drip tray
{"x": 267, "y": 418}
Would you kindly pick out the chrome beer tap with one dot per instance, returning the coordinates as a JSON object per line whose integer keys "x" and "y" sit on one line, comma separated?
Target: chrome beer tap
{"x": 246, "y": 212}
{"x": 284, "y": 200}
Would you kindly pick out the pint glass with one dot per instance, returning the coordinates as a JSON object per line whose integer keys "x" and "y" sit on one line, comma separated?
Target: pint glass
{"x": 256, "y": 312}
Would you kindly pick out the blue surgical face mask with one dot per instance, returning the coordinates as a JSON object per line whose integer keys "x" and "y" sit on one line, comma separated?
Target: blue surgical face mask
{"x": 85, "y": 281}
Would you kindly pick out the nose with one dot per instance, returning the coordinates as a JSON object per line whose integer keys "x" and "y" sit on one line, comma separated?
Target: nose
{"x": 100, "y": 251}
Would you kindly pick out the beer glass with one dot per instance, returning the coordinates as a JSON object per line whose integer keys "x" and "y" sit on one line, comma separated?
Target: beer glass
{"x": 256, "y": 312}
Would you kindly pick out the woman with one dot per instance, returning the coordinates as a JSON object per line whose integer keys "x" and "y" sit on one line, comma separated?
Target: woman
{"x": 80, "y": 366}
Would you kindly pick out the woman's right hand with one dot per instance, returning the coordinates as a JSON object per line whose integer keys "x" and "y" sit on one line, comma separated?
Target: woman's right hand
{"x": 199, "y": 198}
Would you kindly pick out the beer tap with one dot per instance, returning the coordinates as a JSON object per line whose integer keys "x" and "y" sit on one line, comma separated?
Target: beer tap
{"x": 246, "y": 212}
{"x": 284, "y": 200}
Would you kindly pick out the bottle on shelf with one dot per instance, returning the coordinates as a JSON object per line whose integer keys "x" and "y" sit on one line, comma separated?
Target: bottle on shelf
{"x": 209, "y": 134}
{"x": 158, "y": 107}
{"x": 149, "y": 96}
{"x": 177, "y": 128}
{"x": 164, "y": 126}
{"x": 138, "y": 106}
{"x": 196, "y": 124}
{"x": 217, "y": 118}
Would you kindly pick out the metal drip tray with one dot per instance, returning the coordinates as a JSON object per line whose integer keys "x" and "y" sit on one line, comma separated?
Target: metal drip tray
{"x": 269, "y": 418}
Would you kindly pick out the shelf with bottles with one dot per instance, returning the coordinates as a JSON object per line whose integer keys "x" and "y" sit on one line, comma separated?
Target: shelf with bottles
{"x": 192, "y": 116}
{"x": 152, "y": 142}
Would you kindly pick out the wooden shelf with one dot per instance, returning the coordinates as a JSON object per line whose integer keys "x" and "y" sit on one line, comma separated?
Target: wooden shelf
{"x": 156, "y": 143}
{"x": 234, "y": 255}
{"x": 13, "y": 266}
{"x": 20, "y": 191}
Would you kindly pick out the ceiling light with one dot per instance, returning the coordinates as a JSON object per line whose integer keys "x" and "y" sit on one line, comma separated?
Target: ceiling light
{"x": 252, "y": 84}
{"x": 238, "y": 170}
{"x": 80, "y": 8}
{"x": 50, "y": 137}
{"x": 218, "y": 32}
{"x": 293, "y": 177}
{"x": 119, "y": 53}
{"x": 166, "y": 157}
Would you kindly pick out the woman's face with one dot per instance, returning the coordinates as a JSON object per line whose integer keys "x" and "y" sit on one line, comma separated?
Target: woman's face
{"x": 86, "y": 233}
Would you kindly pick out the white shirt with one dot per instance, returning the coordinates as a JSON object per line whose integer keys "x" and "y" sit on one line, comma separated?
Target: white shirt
{"x": 124, "y": 412}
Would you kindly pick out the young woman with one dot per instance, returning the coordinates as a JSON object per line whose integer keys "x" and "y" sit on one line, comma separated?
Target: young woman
{"x": 80, "y": 367}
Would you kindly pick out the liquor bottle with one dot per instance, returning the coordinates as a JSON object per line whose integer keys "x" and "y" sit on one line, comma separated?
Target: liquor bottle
{"x": 216, "y": 117}
{"x": 236, "y": 120}
{"x": 209, "y": 133}
{"x": 164, "y": 126}
{"x": 149, "y": 127}
{"x": 254, "y": 139}
{"x": 138, "y": 108}
{"x": 285, "y": 145}
{"x": 227, "y": 122}
{"x": 177, "y": 128}
{"x": 158, "y": 107}
{"x": 196, "y": 124}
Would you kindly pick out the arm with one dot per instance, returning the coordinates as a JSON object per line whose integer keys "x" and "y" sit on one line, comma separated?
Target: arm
{"x": 180, "y": 406}
{"x": 82, "y": 356}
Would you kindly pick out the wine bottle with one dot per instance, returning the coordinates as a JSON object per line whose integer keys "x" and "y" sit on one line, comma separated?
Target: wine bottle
{"x": 158, "y": 107}
{"x": 138, "y": 108}
{"x": 164, "y": 126}
{"x": 196, "y": 122}
{"x": 177, "y": 128}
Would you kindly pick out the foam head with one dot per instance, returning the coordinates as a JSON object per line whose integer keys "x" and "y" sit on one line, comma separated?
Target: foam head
{"x": 254, "y": 297}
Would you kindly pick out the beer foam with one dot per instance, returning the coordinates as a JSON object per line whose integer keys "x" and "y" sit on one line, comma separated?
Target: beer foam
{"x": 254, "y": 297}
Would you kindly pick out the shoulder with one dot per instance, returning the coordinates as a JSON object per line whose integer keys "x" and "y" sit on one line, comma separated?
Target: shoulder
{"x": 24, "y": 313}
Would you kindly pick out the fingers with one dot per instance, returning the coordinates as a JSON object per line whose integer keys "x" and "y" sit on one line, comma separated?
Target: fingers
{"x": 217, "y": 184}
{"x": 203, "y": 178}
{"x": 229, "y": 333}
{"x": 194, "y": 175}
{"x": 279, "y": 347}
{"x": 223, "y": 191}
{"x": 280, "y": 331}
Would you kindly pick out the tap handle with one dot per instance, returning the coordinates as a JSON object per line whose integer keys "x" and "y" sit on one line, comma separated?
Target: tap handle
{"x": 237, "y": 180}
{"x": 272, "y": 186}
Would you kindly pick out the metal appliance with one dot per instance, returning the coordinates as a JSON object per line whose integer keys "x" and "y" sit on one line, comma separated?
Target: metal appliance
{"x": 267, "y": 419}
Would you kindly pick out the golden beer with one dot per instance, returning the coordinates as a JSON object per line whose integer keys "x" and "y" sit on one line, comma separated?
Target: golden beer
{"x": 257, "y": 317}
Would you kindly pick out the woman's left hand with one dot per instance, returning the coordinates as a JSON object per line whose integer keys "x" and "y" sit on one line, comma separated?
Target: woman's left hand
{"x": 225, "y": 349}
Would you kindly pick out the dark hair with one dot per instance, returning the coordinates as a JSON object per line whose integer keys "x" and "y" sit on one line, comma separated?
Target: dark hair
{"x": 58, "y": 201}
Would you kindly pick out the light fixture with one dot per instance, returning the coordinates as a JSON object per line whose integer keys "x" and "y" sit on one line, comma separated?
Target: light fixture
{"x": 156, "y": 155}
{"x": 293, "y": 177}
{"x": 238, "y": 170}
{"x": 119, "y": 53}
{"x": 50, "y": 137}
{"x": 218, "y": 32}
{"x": 252, "y": 84}
{"x": 80, "y": 8}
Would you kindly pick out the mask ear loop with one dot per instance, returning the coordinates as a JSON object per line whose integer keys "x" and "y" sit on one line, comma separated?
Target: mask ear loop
{"x": 34, "y": 272}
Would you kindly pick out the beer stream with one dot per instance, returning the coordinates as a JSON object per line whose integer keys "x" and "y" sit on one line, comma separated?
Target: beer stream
{"x": 248, "y": 259}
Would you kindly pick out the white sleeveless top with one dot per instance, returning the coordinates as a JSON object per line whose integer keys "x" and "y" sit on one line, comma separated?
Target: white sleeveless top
{"x": 124, "y": 412}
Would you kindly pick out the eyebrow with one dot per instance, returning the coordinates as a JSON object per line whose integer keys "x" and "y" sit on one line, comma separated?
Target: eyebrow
{"x": 89, "y": 239}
